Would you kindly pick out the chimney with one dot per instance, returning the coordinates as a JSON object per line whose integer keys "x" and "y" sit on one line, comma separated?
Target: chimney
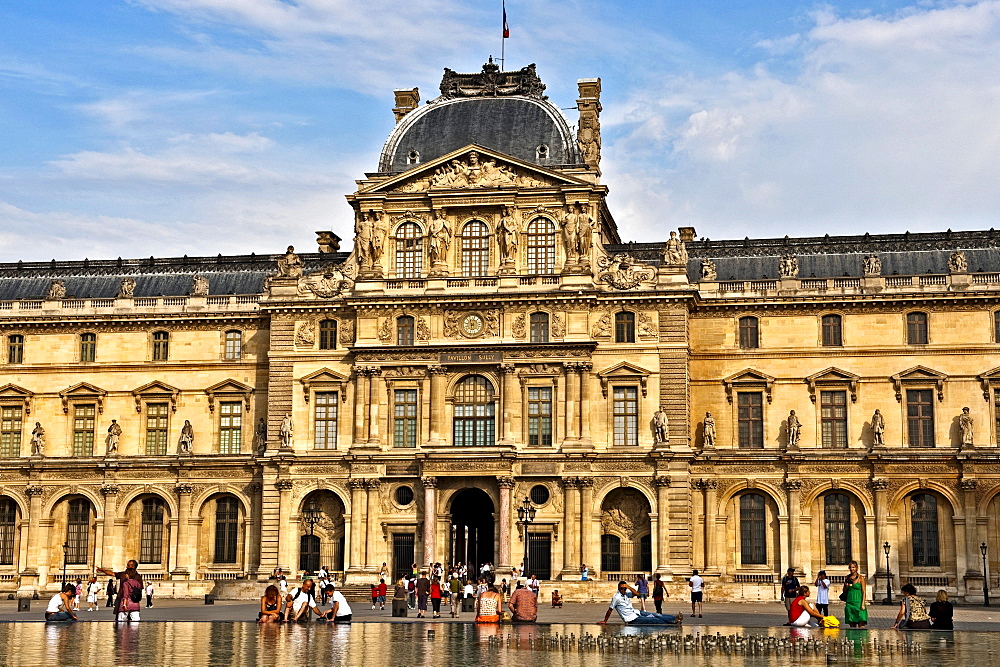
{"x": 406, "y": 101}
{"x": 686, "y": 233}
{"x": 328, "y": 242}
{"x": 588, "y": 133}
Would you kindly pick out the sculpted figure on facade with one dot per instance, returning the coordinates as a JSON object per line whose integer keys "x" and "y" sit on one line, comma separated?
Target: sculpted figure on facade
{"x": 440, "y": 239}
{"x": 507, "y": 238}
{"x": 289, "y": 264}
{"x": 364, "y": 231}
{"x": 111, "y": 441}
{"x": 708, "y": 430}
{"x": 186, "y": 443}
{"x": 38, "y": 440}
{"x": 286, "y": 431}
{"x": 199, "y": 286}
{"x": 675, "y": 252}
{"x": 965, "y": 428}
{"x": 126, "y": 289}
{"x": 957, "y": 263}
{"x": 872, "y": 265}
{"x": 570, "y": 236}
{"x": 260, "y": 437}
{"x": 788, "y": 266}
{"x": 332, "y": 282}
{"x": 623, "y": 272}
{"x": 660, "y": 425}
{"x": 588, "y": 140}
{"x": 878, "y": 428}
{"x": 793, "y": 429}
{"x": 57, "y": 290}
{"x": 584, "y": 232}
{"x": 708, "y": 271}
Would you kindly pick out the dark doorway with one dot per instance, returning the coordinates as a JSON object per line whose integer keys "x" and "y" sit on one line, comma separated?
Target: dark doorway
{"x": 540, "y": 555}
{"x": 611, "y": 553}
{"x": 309, "y": 553}
{"x": 402, "y": 555}
{"x": 472, "y": 528}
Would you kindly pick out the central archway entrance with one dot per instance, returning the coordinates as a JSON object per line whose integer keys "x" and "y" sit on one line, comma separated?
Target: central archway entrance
{"x": 472, "y": 529}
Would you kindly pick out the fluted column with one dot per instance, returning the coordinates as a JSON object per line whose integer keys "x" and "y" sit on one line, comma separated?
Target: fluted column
{"x": 572, "y": 401}
{"x": 506, "y": 485}
{"x": 879, "y": 488}
{"x": 32, "y": 525}
{"x": 182, "y": 560}
{"x": 585, "y": 367}
{"x": 430, "y": 517}
{"x": 511, "y": 404}
{"x": 569, "y": 534}
{"x": 973, "y": 557}
{"x": 376, "y": 386}
{"x": 286, "y": 536}
{"x": 792, "y": 487}
{"x": 357, "y": 546}
{"x": 361, "y": 393}
{"x": 437, "y": 427}
{"x": 372, "y": 489}
{"x": 713, "y": 561}
{"x": 586, "y": 532}
{"x": 662, "y": 562}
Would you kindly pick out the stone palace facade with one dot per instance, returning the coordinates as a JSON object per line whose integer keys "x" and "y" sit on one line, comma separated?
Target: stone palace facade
{"x": 739, "y": 406}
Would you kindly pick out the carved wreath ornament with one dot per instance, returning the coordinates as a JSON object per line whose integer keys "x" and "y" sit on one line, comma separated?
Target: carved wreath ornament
{"x": 623, "y": 272}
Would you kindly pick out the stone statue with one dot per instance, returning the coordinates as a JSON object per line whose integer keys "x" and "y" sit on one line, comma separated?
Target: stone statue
{"x": 878, "y": 428}
{"x": 111, "y": 442}
{"x": 440, "y": 239}
{"x": 260, "y": 437}
{"x": 199, "y": 286}
{"x": 289, "y": 264}
{"x": 957, "y": 263}
{"x": 380, "y": 229}
{"x": 363, "y": 232}
{"x": 285, "y": 432}
{"x": 794, "y": 429}
{"x": 57, "y": 290}
{"x": 660, "y": 425}
{"x": 127, "y": 288}
{"x": 788, "y": 266}
{"x": 674, "y": 252}
{"x": 872, "y": 265}
{"x": 584, "y": 233}
{"x": 38, "y": 440}
{"x": 588, "y": 140}
{"x": 708, "y": 271}
{"x": 965, "y": 427}
{"x": 570, "y": 238}
{"x": 507, "y": 236}
{"x": 709, "y": 430}
{"x": 186, "y": 444}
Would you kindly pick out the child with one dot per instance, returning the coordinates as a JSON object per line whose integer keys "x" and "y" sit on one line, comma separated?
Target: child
{"x": 149, "y": 595}
{"x": 374, "y": 596}
{"x": 556, "y": 599}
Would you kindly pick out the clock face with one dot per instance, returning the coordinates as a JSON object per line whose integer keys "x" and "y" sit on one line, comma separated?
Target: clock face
{"x": 472, "y": 325}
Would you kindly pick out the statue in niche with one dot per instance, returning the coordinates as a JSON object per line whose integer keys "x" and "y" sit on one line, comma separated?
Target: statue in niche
{"x": 584, "y": 233}
{"x": 878, "y": 428}
{"x": 872, "y": 265}
{"x": 588, "y": 139}
{"x": 570, "y": 234}
{"x": 675, "y": 252}
{"x": 788, "y": 266}
{"x": 507, "y": 236}
{"x": 57, "y": 290}
{"x": 363, "y": 233}
{"x": 186, "y": 443}
{"x": 660, "y": 425}
{"x": 957, "y": 263}
{"x": 708, "y": 271}
{"x": 289, "y": 264}
{"x": 199, "y": 286}
{"x": 260, "y": 437}
{"x": 965, "y": 427}
{"x": 793, "y": 429}
{"x": 440, "y": 239}
{"x": 111, "y": 441}
{"x": 380, "y": 228}
{"x": 709, "y": 430}
{"x": 126, "y": 289}
{"x": 38, "y": 440}
{"x": 285, "y": 432}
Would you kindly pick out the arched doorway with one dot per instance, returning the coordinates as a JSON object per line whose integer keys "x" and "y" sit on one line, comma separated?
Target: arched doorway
{"x": 322, "y": 543}
{"x": 626, "y": 545}
{"x": 472, "y": 528}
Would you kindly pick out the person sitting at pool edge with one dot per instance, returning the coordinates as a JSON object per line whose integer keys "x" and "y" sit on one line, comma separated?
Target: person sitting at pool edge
{"x": 630, "y": 616}
{"x": 802, "y": 613}
{"x": 340, "y": 612}
{"x": 61, "y": 605}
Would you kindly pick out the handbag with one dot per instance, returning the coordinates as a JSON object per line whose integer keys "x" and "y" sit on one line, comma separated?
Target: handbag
{"x": 843, "y": 596}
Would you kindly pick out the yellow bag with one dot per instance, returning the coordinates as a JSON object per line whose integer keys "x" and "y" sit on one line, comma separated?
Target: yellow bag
{"x": 831, "y": 622}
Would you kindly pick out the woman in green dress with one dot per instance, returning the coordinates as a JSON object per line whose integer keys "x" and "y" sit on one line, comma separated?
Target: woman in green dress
{"x": 856, "y": 607}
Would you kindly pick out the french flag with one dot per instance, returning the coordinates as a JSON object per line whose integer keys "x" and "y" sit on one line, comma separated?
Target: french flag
{"x": 506, "y": 28}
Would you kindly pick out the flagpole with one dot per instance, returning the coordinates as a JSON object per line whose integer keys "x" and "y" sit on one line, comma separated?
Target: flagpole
{"x": 503, "y": 32}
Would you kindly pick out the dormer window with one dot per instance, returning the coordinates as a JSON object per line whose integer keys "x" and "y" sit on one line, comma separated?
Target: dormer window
{"x": 413, "y": 157}
{"x": 542, "y": 152}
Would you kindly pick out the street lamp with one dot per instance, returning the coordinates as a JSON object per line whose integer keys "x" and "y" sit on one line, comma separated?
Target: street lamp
{"x": 311, "y": 515}
{"x": 525, "y": 515}
{"x": 888, "y": 575}
{"x": 986, "y": 576}
{"x": 65, "y": 558}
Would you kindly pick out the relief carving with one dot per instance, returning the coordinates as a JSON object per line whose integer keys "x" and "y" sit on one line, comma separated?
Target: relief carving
{"x": 623, "y": 272}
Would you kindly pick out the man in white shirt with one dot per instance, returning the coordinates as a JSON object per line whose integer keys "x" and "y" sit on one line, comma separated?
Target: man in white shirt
{"x": 93, "y": 590}
{"x": 341, "y": 611}
{"x": 622, "y": 604}
{"x": 300, "y": 600}
{"x": 534, "y": 585}
{"x": 697, "y": 585}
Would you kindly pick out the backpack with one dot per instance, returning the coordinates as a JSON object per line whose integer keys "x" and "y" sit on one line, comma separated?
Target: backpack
{"x": 135, "y": 595}
{"x": 917, "y": 610}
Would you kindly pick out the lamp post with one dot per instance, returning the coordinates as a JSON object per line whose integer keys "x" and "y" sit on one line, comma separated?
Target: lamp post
{"x": 525, "y": 515}
{"x": 888, "y": 575}
{"x": 986, "y": 576}
{"x": 65, "y": 548}
{"x": 311, "y": 515}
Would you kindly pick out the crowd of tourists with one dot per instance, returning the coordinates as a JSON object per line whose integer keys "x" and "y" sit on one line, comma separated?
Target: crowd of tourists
{"x": 125, "y": 591}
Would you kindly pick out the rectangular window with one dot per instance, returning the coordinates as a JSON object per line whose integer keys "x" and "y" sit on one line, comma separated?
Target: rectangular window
{"x": 88, "y": 347}
{"x": 753, "y": 530}
{"x": 750, "y": 409}
{"x": 916, "y": 328}
{"x": 920, "y": 417}
{"x": 10, "y": 430}
{"x": 157, "y": 419}
{"x": 326, "y": 408}
{"x": 626, "y": 416}
{"x": 83, "y": 429}
{"x": 8, "y": 531}
{"x": 404, "y": 418}
{"x": 540, "y": 416}
{"x": 15, "y": 349}
{"x": 832, "y": 332}
{"x": 749, "y": 333}
{"x": 151, "y": 535}
{"x": 230, "y": 427}
{"x": 833, "y": 415}
{"x": 996, "y": 411}
{"x": 234, "y": 345}
{"x": 161, "y": 346}
{"x": 78, "y": 532}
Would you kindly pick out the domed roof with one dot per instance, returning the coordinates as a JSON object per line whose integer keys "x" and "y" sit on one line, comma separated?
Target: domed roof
{"x": 505, "y": 111}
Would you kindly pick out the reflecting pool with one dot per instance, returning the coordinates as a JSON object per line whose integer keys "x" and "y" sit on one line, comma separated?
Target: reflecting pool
{"x": 436, "y": 645}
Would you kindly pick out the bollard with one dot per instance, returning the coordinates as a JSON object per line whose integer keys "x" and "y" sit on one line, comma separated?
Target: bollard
{"x": 24, "y": 604}
{"x": 209, "y": 598}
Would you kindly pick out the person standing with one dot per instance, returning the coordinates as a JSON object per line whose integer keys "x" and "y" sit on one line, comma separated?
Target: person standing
{"x": 93, "y": 590}
{"x": 455, "y": 585}
{"x": 79, "y": 594}
{"x": 697, "y": 586}
{"x": 789, "y": 588}
{"x": 823, "y": 592}
{"x": 623, "y": 605}
{"x": 383, "y": 589}
{"x": 129, "y": 597}
{"x": 856, "y": 607}
{"x": 523, "y": 605}
{"x": 282, "y": 585}
{"x": 436, "y": 597}
{"x": 131, "y": 566}
{"x": 423, "y": 587}
{"x": 584, "y": 572}
{"x": 534, "y": 585}
{"x": 642, "y": 586}
{"x": 659, "y": 592}
{"x": 110, "y": 590}
{"x": 149, "y": 594}
{"x": 411, "y": 590}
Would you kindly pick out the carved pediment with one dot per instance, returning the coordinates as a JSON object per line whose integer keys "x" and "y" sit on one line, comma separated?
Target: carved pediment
{"x": 748, "y": 379}
{"x": 623, "y": 371}
{"x": 474, "y": 168}
{"x": 324, "y": 378}
{"x": 155, "y": 390}
{"x": 988, "y": 379}
{"x": 833, "y": 377}
{"x": 11, "y": 393}
{"x": 920, "y": 376}
{"x": 229, "y": 389}
{"x": 84, "y": 390}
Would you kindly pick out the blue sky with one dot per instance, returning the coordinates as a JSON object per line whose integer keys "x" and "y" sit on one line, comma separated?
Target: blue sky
{"x": 159, "y": 127}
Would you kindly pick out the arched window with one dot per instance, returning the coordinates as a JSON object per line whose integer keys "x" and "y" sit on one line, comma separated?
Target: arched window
{"x": 539, "y": 327}
{"x": 78, "y": 531}
{"x": 611, "y": 553}
{"x": 409, "y": 251}
{"x": 753, "y": 529}
{"x": 749, "y": 333}
{"x": 624, "y": 327}
{"x": 832, "y": 331}
{"x": 151, "y": 535}
{"x": 474, "y": 424}
{"x": 88, "y": 347}
{"x": 15, "y": 349}
{"x": 404, "y": 330}
{"x": 837, "y": 522}
{"x": 916, "y": 328}
{"x": 227, "y": 517}
{"x": 475, "y": 249}
{"x": 234, "y": 345}
{"x": 8, "y": 530}
{"x": 161, "y": 345}
{"x": 540, "y": 242}
{"x": 328, "y": 335}
{"x": 924, "y": 526}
